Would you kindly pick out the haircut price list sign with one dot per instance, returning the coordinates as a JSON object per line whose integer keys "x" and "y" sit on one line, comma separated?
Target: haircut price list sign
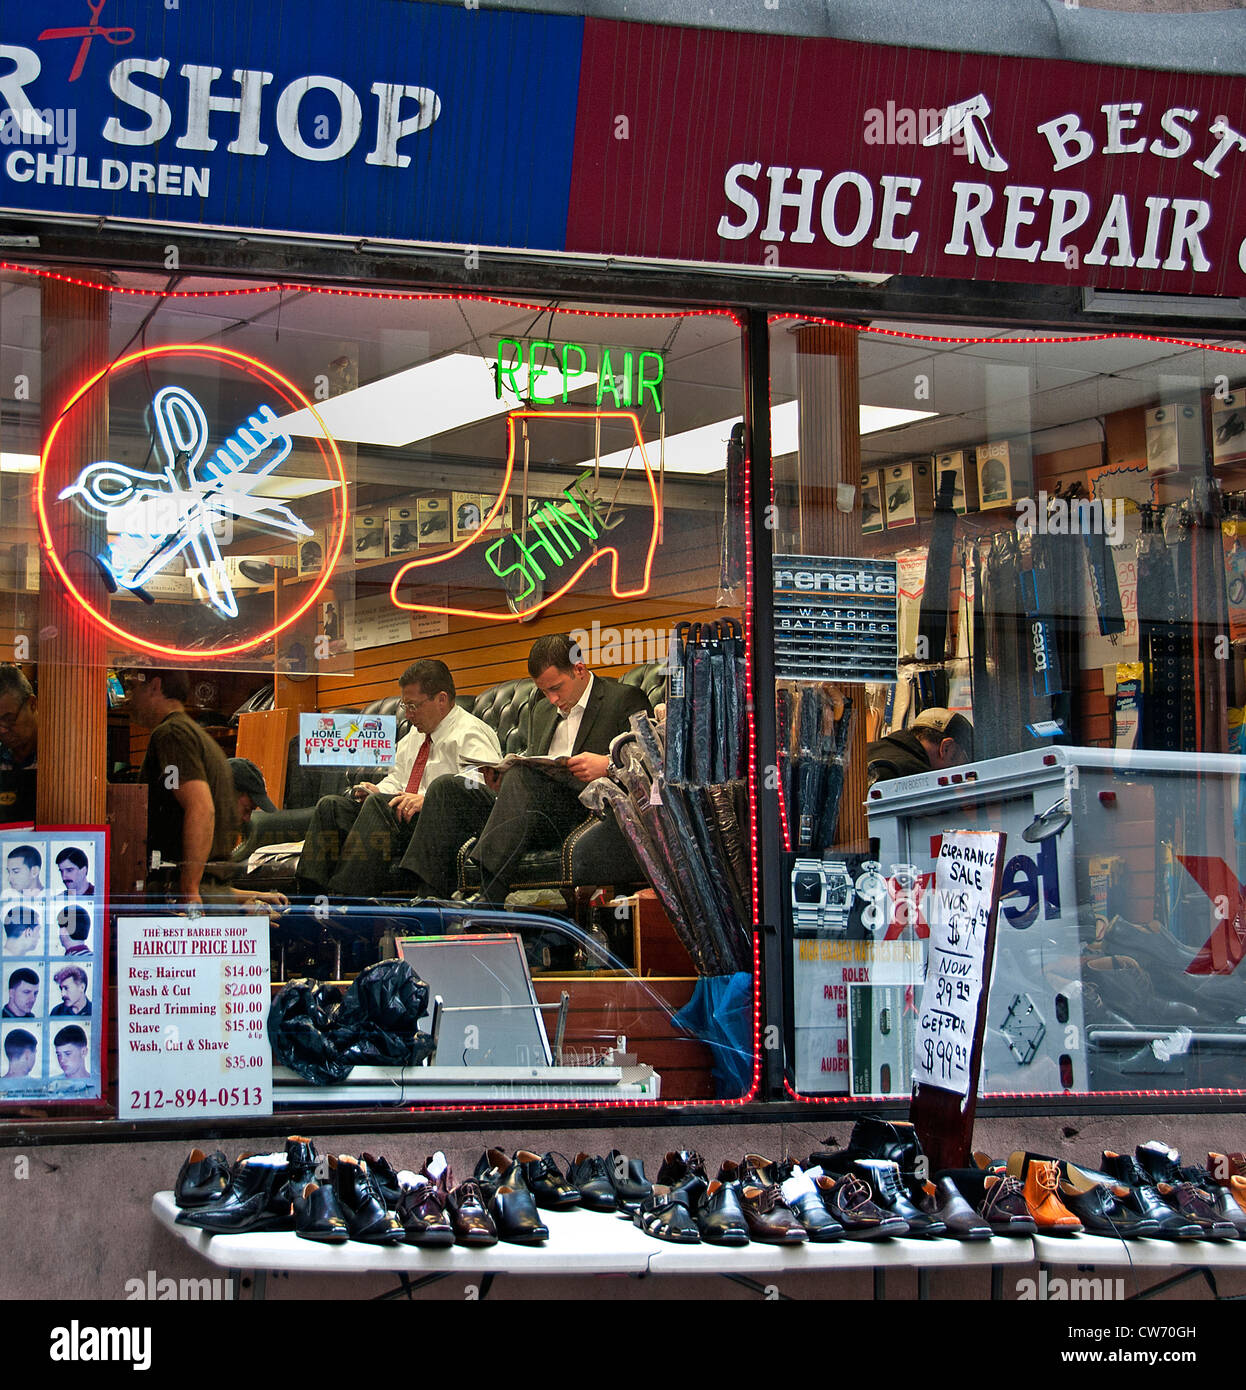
{"x": 193, "y": 996}
{"x": 965, "y": 898}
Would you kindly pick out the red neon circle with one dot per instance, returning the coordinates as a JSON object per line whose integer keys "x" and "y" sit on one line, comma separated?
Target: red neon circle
{"x": 293, "y": 397}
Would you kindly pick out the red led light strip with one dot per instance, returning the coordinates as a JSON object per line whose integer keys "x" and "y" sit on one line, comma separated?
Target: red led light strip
{"x": 292, "y": 396}
{"x": 512, "y": 419}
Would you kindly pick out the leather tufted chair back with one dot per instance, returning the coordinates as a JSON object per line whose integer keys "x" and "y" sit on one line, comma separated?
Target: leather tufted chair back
{"x": 505, "y": 709}
{"x": 651, "y": 677}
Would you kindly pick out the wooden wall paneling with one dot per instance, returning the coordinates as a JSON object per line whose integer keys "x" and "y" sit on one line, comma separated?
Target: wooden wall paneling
{"x": 264, "y": 737}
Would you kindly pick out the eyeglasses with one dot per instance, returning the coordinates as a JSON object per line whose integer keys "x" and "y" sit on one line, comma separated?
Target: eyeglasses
{"x": 8, "y": 721}
{"x": 412, "y": 706}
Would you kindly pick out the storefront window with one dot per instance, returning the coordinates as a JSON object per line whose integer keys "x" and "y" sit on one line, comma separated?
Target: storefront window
{"x": 368, "y": 546}
{"x": 1008, "y": 599}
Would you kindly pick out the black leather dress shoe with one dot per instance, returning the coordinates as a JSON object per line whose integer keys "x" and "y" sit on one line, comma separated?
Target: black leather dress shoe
{"x": 422, "y": 1211}
{"x": 544, "y": 1179}
{"x": 943, "y": 1201}
{"x": 471, "y": 1223}
{"x": 515, "y": 1215}
{"x": 591, "y": 1175}
{"x": 386, "y": 1178}
{"x": 248, "y": 1202}
{"x": 1103, "y": 1207}
{"x": 1146, "y": 1200}
{"x": 720, "y": 1217}
{"x": 683, "y": 1174}
{"x": 363, "y": 1203}
{"x": 664, "y": 1214}
{"x": 302, "y": 1158}
{"x": 201, "y": 1179}
{"x": 318, "y": 1215}
{"x": 850, "y": 1201}
{"x": 802, "y": 1196}
{"x": 884, "y": 1176}
{"x": 1221, "y": 1199}
{"x": 627, "y": 1175}
{"x": 495, "y": 1169}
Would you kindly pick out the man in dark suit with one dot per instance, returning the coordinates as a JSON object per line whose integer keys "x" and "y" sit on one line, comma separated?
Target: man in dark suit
{"x": 572, "y": 714}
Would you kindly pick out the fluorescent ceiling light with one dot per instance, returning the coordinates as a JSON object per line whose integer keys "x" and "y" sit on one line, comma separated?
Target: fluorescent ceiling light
{"x": 421, "y": 402}
{"x": 704, "y": 450}
{"x": 19, "y": 463}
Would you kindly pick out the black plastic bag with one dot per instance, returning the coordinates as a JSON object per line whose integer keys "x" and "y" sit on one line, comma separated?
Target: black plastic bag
{"x": 322, "y": 1034}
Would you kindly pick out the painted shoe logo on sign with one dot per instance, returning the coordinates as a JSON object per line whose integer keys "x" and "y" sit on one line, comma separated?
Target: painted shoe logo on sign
{"x": 965, "y": 122}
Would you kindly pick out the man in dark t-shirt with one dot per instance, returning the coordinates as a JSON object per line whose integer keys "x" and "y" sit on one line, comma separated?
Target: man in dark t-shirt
{"x": 192, "y": 807}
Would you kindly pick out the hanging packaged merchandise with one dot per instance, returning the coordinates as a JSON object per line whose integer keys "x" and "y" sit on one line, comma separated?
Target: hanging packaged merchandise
{"x": 677, "y": 693}
{"x": 1105, "y": 592}
{"x": 699, "y": 684}
{"x": 784, "y": 700}
{"x": 733, "y": 557}
{"x": 711, "y": 635}
{"x": 808, "y": 769}
{"x": 936, "y": 594}
{"x": 836, "y": 757}
{"x": 734, "y": 724}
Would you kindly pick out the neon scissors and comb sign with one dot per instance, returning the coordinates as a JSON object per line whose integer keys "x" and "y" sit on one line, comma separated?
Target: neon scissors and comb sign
{"x": 160, "y": 515}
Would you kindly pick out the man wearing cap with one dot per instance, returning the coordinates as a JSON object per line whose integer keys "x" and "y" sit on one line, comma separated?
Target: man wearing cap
{"x": 935, "y": 740}
{"x": 251, "y": 788}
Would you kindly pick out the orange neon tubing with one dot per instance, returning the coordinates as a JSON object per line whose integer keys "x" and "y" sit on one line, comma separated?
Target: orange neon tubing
{"x": 612, "y": 551}
{"x": 293, "y": 397}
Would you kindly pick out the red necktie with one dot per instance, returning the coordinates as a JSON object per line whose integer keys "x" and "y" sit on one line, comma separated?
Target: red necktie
{"x": 417, "y": 768}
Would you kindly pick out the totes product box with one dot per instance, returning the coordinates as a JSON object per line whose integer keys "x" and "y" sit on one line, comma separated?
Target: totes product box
{"x": 432, "y": 515}
{"x": 402, "y": 530}
{"x": 311, "y": 554}
{"x": 1174, "y": 437}
{"x": 369, "y": 536}
{"x": 871, "y": 502}
{"x": 465, "y": 507}
{"x": 1000, "y": 474}
{"x": 923, "y": 488}
{"x": 501, "y": 522}
{"x": 899, "y": 502}
{"x": 964, "y": 493}
{"x": 1228, "y": 429}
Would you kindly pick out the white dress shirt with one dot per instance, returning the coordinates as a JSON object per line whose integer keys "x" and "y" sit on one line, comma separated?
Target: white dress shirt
{"x": 459, "y": 742}
{"x": 562, "y": 745}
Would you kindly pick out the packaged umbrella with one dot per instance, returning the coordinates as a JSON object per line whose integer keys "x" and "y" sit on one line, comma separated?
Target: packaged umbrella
{"x": 677, "y": 693}
{"x": 699, "y": 764}
{"x": 732, "y": 558}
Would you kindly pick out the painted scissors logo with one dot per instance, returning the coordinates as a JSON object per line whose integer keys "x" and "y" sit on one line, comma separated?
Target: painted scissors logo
{"x": 157, "y": 516}
{"x": 88, "y": 33}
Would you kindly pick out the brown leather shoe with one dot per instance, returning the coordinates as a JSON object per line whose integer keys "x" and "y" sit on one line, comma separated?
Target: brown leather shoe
{"x": 1004, "y": 1208}
{"x": 471, "y": 1223}
{"x": 769, "y": 1217}
{"x": 1042, "y": 1196}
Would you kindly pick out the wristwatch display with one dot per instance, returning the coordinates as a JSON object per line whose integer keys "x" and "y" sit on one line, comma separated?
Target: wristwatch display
{"x": 822, "y": 893}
